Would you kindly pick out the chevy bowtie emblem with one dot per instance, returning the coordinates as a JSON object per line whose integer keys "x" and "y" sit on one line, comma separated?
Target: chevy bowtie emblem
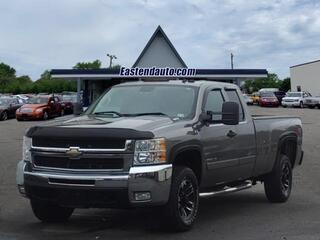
{"x": 73, "y": 152}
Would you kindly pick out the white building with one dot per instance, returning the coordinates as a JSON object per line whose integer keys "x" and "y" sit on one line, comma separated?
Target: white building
{"x": 306, "y": 77}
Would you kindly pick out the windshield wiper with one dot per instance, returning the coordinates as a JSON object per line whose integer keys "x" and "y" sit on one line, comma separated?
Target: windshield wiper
{"x": 109, "y": 112}
{"x": 146, "y": 114}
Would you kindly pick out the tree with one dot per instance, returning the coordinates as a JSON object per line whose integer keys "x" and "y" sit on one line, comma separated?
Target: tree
{"x": 7, "y": 71}
{"x": 285, "y": 84}
{"x": 88, "y": 65}
{"x": 271, "y": 81}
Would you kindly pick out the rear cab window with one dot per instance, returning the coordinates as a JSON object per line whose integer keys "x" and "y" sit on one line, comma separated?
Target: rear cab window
{"x": 234, "y": 97}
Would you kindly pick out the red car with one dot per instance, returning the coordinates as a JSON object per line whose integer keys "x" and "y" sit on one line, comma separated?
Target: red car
{"x": 40, "y": 107}
{"x": 268, "y": 99}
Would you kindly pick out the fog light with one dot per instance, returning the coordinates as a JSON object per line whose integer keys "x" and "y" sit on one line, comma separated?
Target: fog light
{"x": 142, "y": 196}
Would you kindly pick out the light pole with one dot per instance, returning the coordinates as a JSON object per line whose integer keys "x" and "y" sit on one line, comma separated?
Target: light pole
{"x": 231, "y": 60}
{"x": 111, "y": 58}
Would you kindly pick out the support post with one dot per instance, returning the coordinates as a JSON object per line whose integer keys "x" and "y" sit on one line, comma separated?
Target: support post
{"x": 78, "y": 90}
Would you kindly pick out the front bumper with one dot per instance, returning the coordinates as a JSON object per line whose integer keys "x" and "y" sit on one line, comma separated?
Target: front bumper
{"x": 29, "y": 116}
{"x": 151, "y": 182}
{"x": 290, "y": 104}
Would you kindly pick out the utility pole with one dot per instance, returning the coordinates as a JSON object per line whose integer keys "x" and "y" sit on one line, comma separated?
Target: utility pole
{"x": 231, "y": 60}
{"x": 111, "y": 58}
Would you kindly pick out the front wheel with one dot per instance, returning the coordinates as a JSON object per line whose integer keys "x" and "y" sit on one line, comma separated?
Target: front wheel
{"x": 182, "y": 207}
{"x": 4, "y": 116}
{"x": 48, "y": 212}
{"x": 278, "y": 183}
{"x": 45, "y": 115}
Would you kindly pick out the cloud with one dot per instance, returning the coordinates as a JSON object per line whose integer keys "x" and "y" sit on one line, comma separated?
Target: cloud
{"x": 41, "y": 34}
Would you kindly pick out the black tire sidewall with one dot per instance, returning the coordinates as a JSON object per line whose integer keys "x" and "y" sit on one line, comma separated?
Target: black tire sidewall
{"x": 172, "y": 211}
{"x": 273, "y": 185}
{"x": 4, "y": 116}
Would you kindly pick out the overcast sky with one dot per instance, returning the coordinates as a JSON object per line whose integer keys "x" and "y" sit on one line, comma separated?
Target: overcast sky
{"x": 36, "y": 35}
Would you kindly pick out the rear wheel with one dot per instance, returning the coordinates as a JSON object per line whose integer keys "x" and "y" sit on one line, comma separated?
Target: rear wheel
{"x": 4, "y": 116}
{"x": 278, "y": 183}
{"x": 182, "y": 207}
{"x": 48, "y": 212}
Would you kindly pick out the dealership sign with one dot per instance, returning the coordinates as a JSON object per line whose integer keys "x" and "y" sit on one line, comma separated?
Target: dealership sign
{"x": 157, "y": 72}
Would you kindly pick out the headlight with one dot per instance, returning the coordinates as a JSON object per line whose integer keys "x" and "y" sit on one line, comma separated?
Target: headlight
{"x": 26, "y": 146}
{"x": 39, "y": 110}
{"x": 151, "y": 151}
{"x": 296, "y": 100}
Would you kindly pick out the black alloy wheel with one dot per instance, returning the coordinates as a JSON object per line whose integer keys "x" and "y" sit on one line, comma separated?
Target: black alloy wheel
{"x": 186, "y": 199}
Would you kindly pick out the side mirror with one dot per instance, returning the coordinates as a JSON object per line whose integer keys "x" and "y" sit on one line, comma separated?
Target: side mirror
{"x": 77, "y": 108}
{"x": 230, "y": 113}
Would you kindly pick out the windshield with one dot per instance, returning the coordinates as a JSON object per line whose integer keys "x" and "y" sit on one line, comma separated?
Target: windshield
{"x": 172, "y": 101}
{"x": 4, "y": 101}
{"x": 294, "y": 94}
{"x": 38, "y": 100}
{"x": 267, "y": 94}
{"x": 69, "y": 98}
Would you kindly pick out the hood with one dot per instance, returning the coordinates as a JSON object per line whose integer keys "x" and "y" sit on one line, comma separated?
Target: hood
{"x": 34, "y": 106}
{"x": 141, "y": 123}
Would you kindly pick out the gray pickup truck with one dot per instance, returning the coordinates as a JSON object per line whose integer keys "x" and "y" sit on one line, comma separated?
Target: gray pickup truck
{"x": 162, "y": 144}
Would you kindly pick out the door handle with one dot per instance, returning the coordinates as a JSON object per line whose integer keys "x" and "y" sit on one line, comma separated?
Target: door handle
{"x": 231, "y": 134}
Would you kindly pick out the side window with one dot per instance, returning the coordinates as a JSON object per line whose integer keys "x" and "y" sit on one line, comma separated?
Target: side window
{"x": 56, "y": 99}
{"x": 234, "y": 97}
{"x": 214, "y": 104}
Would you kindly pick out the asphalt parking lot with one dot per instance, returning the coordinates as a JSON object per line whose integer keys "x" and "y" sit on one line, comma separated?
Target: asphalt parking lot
{"x": 243, "y": 215}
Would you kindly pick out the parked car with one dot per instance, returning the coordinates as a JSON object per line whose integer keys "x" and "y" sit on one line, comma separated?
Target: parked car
{"x": 312, "y": 102}
{"x": 268, "y": 99}
{"x": 68, "y": 101}
{"x": 255, "y": 97}
{"x": 295, "y": 99}
{"x": 21, "y": 98}
{"x": 280, "y": 95}
{"x": 141, "y": 146}
{"x": 8, "y": 107}
{"x": 247, "y": 99}
{"x": 40, "y": 107}
{"x": 268, "y": 90}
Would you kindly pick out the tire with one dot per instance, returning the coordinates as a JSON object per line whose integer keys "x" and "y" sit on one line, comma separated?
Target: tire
{"x": 301, "y": 105}
{"x": 182, "y": 208}
{"x": 48, "y": 212}
{"x": 278, "y": 183}
{"x": 4, "y": 116}
{"x": 45, "y": 115}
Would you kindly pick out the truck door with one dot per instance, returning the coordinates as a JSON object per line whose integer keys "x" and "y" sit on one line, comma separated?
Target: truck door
{"x": 245, "y": 142}
{"x": 219, "y": 143}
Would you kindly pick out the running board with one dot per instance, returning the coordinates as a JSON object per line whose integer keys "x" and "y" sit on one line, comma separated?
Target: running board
{"x": 245, "y": 185}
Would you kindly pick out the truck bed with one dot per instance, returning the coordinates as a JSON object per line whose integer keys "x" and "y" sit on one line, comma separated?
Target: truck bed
{"x": 269, "y": 130}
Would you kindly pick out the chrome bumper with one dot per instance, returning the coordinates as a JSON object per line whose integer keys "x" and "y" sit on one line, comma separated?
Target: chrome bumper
{"x": 155, "y": 181}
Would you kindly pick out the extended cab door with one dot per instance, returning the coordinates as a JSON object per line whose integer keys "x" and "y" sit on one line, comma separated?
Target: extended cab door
{"x": 245, "y": 150}
{"x": 226, "y": 148}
